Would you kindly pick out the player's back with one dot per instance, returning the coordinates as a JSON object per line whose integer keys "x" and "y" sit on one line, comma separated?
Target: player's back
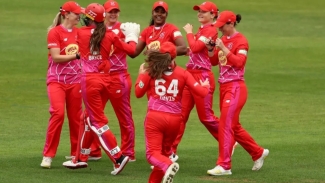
{"x": 167, "y": 91}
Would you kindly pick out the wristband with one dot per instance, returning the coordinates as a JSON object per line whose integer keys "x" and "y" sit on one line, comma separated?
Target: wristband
{"x": 77, "y": 56}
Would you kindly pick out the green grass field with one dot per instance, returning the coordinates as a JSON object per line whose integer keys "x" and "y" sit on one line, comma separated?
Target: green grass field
{"x": 284, "y": 113}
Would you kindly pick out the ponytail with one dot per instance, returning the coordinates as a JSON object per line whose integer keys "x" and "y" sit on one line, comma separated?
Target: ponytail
{"x": 56, "y": 21}
{"x": 238, "y": 19}
{"x": 97, "y": 37}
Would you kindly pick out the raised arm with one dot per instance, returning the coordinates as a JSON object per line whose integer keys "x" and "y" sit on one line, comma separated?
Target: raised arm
{"x": 142, "y": 82}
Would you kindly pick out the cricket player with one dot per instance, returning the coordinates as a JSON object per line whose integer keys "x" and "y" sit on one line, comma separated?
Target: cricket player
{"x": 199, "y": 66}
{"x": 95, "y": 44}
{"x": 159, "y": 32}
{"x": 120, "y": 87}
{"x": 166, "y": 82}
{"x": 230, "y": 53}
{"x": 63, "y": 80}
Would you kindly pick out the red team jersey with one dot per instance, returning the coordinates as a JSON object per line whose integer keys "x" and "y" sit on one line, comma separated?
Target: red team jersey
{"x": 118, "y": 56}
{"x": 166, "y": 92}
{"x": 66, "y": 41}
{"x": 199, "y": 58}
{"x": 231, "y": 66}
{"x": 154, "y": 36}
{"x": 89, "y": 61}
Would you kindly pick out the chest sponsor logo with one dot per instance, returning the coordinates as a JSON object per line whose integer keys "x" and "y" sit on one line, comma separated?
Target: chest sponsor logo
{"x": 154, "y": 45}
{"x": 71, "y": 49}
{"x": 222, "y": 58}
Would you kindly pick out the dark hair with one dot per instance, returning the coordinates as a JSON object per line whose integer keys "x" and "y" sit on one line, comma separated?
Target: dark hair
{"x": 151, "y": 21}
{"x": 157, "y": 63}
{"x": 238, "y": 19}
{"x": 97, "y": 37}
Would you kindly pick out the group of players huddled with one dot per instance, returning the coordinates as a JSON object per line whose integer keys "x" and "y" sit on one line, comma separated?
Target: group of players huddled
{"x": 87, "y": 66}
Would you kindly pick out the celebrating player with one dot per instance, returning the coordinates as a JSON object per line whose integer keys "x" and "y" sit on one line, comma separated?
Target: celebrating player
{"x": 231, "y": 56}
{"x": 120, "y": 87}
{"x": 159, "y": 31}
{"x": 166, "y": 82}
{"x": 200, "y": 67}
{"x": 95, "y": 48}
{"x": 63, "y": 80}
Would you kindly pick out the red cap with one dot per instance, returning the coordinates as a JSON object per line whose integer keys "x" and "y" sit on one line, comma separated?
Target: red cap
{"x": 111, "y": 5}
{"x": 224, "y": 17}
{"x": 168, "y": 47}
{"x": 71, "y": 6}
{"x": 95, "y": 12}
{"x": 207, "y": 6}
{"x": 161, "y": 4}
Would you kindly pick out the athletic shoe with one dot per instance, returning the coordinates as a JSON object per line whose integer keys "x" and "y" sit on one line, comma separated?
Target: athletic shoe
{"x": 120, "y": 164}
{"x": 219, "y": 170}
{"x": 170, "y": 173}
{"x": 94, "y": 158}
{"x": 233, "y": 148}
{"x": 69, "y": 157}
{"x": 70, "y": 164}
{"x": 46, "y": 162}
{"x": 152, "y": 167}
{"x": 173, "y": 157}
{"x": 259, "y": 163}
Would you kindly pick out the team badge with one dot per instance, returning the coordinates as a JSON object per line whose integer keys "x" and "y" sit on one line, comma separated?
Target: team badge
{"x": 141, "y": 84}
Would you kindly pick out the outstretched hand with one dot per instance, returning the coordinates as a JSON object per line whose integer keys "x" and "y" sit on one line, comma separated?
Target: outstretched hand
{"x": 142, "y": 69}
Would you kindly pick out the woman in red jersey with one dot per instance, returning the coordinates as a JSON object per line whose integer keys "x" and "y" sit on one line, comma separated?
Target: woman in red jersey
{"x": 63, "y": 80}
{"x": 200, "y": 67}
{"x": 95, "y": 44}
{"x": 120, "y": 87}
{"x": 230, "y": 53}
{"x": 159, "y": 31}
{"x": 166, "y": 82}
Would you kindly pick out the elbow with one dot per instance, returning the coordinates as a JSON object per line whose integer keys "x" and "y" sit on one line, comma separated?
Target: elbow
{"x": 182, "y": 50}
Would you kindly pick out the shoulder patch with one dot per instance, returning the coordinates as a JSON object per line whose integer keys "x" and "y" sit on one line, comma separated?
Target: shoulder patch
{"x": 141, "y": 84}
{"x": 177, "y": 33}
{"x": 244, "y": 52}
{"x": 203, "y": 39}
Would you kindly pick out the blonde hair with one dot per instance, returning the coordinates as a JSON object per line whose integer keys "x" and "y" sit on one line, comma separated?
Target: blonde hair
{"x": 56, "y": 21}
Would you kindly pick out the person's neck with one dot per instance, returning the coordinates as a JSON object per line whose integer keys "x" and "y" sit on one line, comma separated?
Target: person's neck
{"x": 110, "y": 24}
{"x": 232, "y": 33}
{"x": 159, "y": 25}
{"x": 67, "y": 25}
{"x": 206, "y": 23}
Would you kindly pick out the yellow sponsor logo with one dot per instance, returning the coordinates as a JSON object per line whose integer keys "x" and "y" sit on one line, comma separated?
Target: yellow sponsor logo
{"x": 222, "y": 58}
{"x": 155, "y": 45}
{"x": 71, "y": 49}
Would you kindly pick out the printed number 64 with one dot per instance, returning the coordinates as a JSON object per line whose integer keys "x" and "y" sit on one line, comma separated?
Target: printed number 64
{"x": 160, "y": 89}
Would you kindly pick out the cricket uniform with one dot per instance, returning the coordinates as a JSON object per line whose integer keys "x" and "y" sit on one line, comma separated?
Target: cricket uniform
{"x": 119, "y": 95}
{"x": 164, "y": 117}
{"x": 199, "y": 66}
{"x": 63, "y": 87}
{"x": 233, "y": 96}
{"x": 155, "y": 36}
{"x": 95, "y": 83}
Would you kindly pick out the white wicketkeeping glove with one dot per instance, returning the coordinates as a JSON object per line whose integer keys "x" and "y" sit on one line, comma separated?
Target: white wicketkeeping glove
{"x": 131, "y": 31}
